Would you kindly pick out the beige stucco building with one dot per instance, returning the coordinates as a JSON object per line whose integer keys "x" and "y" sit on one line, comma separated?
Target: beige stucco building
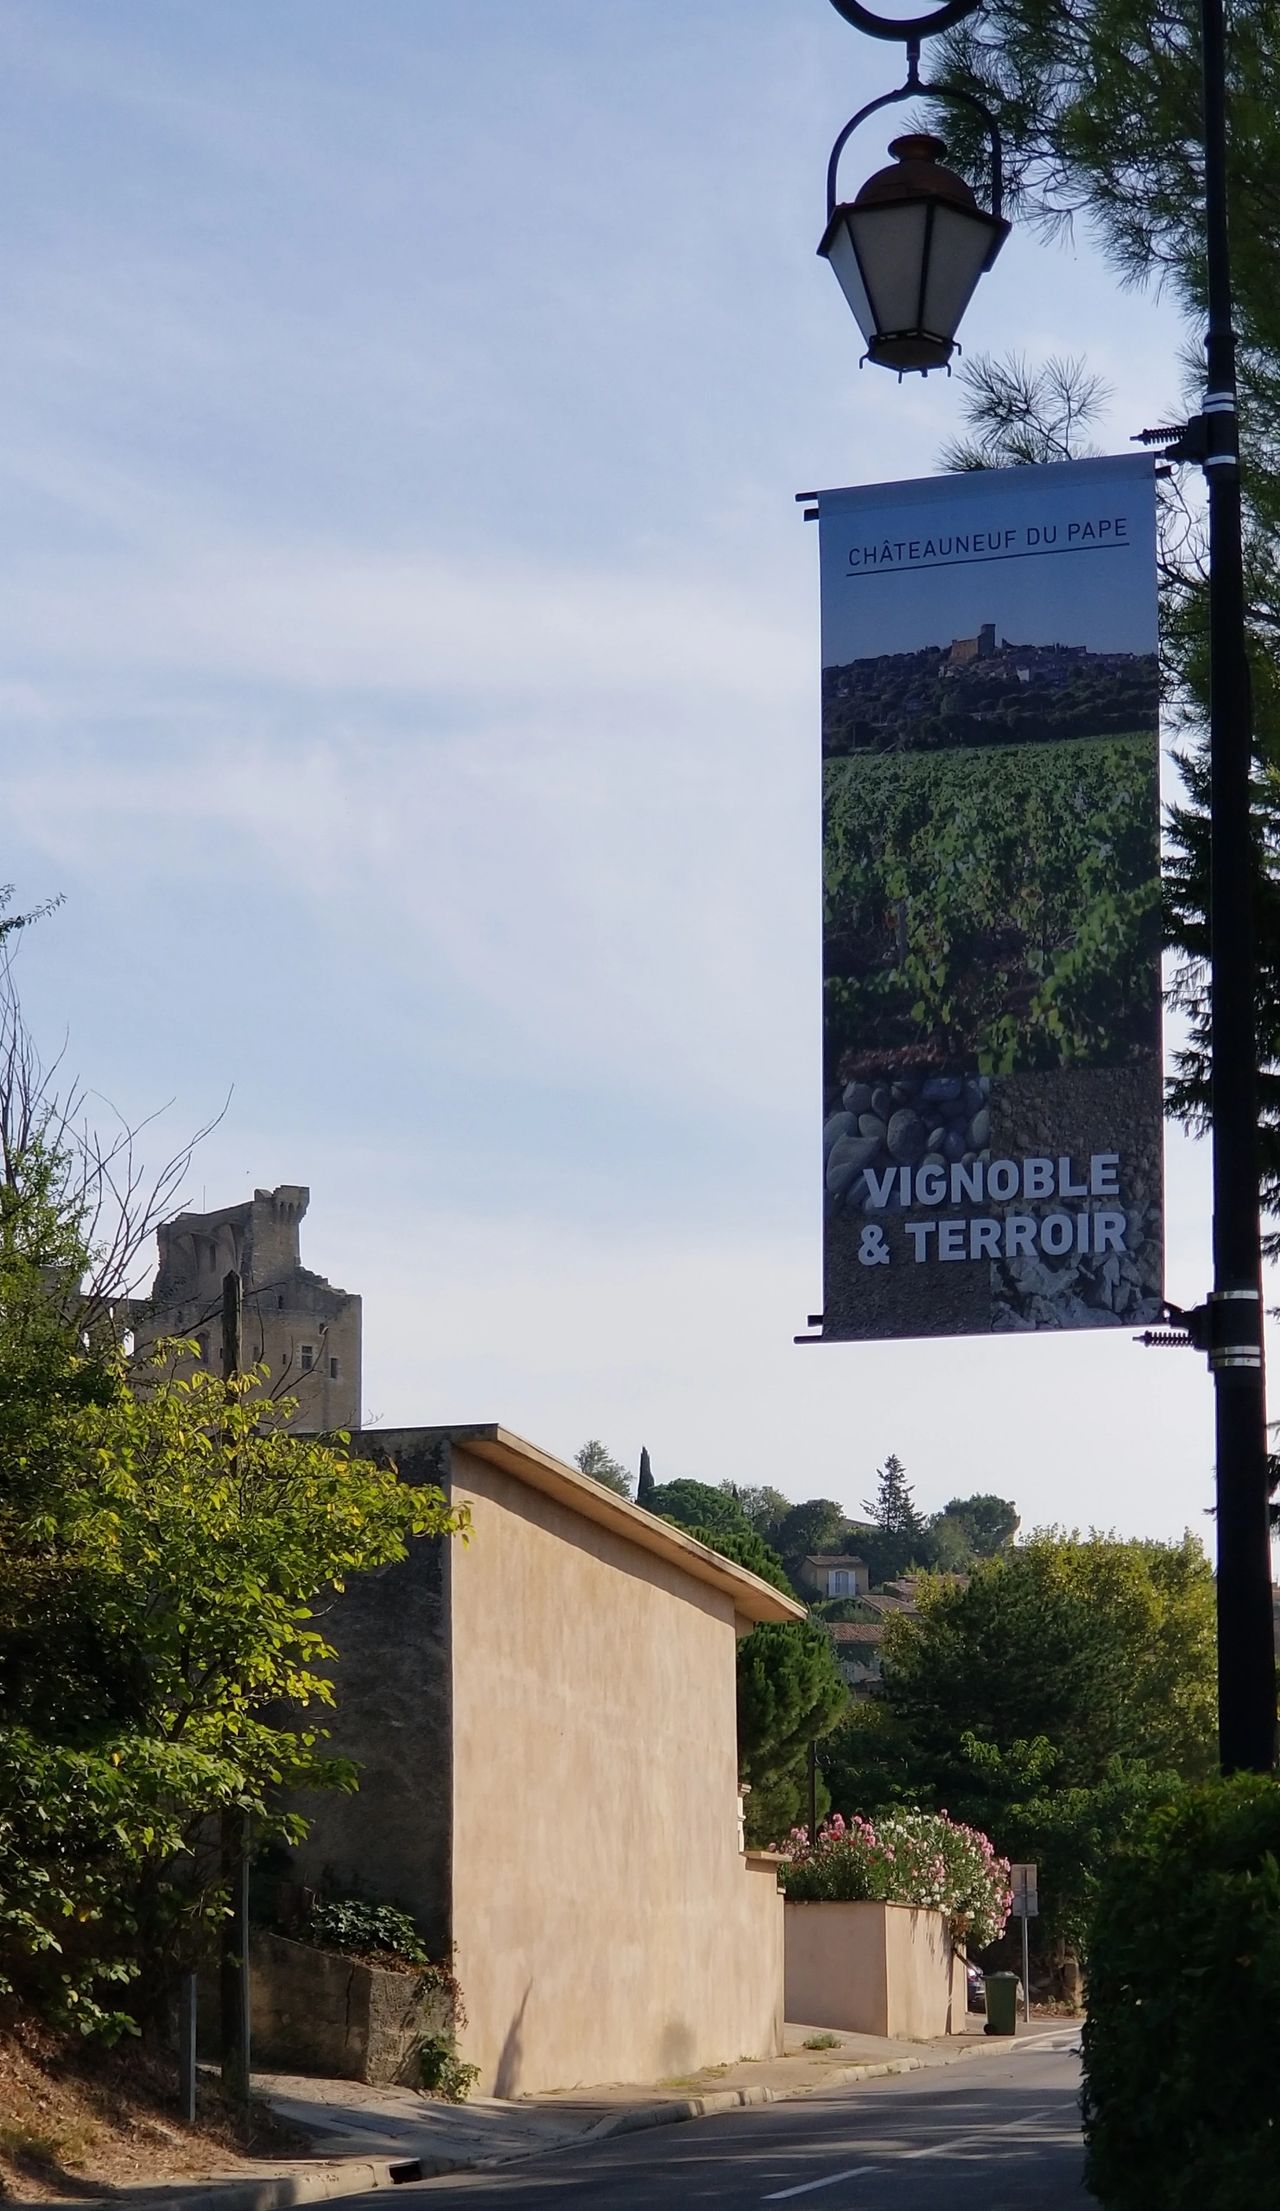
{"x": 545, "y": 1718}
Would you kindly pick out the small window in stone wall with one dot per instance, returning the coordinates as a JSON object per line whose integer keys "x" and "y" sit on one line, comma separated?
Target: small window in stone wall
{"x": 333, "y": 1370}
{"x": 308, "y": 1357}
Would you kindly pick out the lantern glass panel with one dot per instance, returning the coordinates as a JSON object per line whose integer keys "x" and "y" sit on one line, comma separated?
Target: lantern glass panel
{"x": 891, "y": 243}
{"x": 958, "y": 255}
{"x": 839, "y": 252}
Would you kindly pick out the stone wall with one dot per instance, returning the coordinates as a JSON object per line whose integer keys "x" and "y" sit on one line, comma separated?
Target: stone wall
{"x": 314, "y": 2011}
{"x": 391, "y": 1841}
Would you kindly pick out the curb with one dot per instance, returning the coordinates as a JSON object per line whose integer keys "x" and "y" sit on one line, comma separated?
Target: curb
{"x": 276, "y": 2191}
{"x": 365, "y": 2176}
{"x": 844, "y": 2076}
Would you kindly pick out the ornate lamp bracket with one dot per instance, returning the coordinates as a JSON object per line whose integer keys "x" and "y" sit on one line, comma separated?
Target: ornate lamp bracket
{"x": 914, "y": 86}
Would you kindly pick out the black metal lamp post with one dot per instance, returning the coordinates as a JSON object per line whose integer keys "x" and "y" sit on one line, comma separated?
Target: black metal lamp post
{"x": 1228, "y": 1327}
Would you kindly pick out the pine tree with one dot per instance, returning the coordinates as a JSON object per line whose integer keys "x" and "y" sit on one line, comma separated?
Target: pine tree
{"x": 891, "y": 1509}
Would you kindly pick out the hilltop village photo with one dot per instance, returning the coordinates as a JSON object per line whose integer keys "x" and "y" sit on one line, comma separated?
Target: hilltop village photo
{"x": 984, "y": 690}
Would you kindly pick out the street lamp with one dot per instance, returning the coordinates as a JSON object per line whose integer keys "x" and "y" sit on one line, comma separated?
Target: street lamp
{"x": 908, "y": 250}
{"x": 880, "y": 269}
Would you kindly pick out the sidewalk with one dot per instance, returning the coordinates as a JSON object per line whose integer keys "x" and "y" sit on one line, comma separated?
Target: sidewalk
{"x": 375, "y": 2138}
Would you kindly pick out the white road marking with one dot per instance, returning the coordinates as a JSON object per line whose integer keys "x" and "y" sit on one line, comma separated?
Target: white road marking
{"x": 977, "y": 2134}
{"x": 807, "y": 2187}
{"x": 934, "y": 2149}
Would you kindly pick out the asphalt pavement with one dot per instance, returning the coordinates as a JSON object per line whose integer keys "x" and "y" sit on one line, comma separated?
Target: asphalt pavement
{"x": 1002, "y": 2135}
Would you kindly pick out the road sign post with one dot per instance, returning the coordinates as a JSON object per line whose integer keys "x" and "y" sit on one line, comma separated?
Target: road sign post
{"x": 1026, "y": 1907}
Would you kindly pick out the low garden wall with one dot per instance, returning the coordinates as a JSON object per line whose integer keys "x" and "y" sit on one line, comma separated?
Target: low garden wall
{"x": 884, "y": 1969}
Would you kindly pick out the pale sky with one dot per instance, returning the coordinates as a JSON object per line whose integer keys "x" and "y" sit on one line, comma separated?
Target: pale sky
{"x": 1050, "y": 585}
{"x": 410, "y": 676}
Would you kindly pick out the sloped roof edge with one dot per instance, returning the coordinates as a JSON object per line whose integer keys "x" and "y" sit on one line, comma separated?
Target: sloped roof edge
{"x": 753, "y": 1598}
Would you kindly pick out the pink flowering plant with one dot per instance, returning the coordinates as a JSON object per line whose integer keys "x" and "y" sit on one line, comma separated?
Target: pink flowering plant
{"x": 903, "y": 1857}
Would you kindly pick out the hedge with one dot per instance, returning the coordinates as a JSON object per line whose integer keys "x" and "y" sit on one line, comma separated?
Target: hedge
{"x": 1182, "y": 2044}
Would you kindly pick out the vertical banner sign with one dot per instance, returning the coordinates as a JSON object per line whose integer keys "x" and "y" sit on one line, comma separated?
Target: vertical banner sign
{"x": 991, "y": 939}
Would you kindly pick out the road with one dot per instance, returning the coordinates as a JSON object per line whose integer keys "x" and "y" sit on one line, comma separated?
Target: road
{"x": 992, "y": 2134}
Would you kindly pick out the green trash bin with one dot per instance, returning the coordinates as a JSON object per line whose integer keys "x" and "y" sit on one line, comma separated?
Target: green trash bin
{"x": 1002, "y": 2003}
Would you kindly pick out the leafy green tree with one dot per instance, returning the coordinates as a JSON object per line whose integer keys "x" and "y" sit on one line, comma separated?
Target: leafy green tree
{"x": 600, "y": 1466}
{"x": 781, "y": 1802}
{"x": 1070, "y": 1833}
{"x": 746, "y": 1548}
{"x": 86, "y": 1834}
{"x": 1104, "y": 1648}
{"x": 947, "y": 1545}
{"x": 764, "y": 1508}
{"x": 990, "y": 1522}
{"x": 1048, "y": 1702}
{"x": 817, "y": 1525}
{"x": 867, "y": 1763}
{"x": 179, "y": 1528}
{"x": 697, "y": 1505}
{"x": 199, "y": 1532}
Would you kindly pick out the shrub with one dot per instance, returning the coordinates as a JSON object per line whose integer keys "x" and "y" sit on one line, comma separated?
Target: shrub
{"x": 1182, "y": 2091}
{"x": 363, "y": 1929}
{"x": 905, "y": 1857}
{"x": 443, "y": 2072}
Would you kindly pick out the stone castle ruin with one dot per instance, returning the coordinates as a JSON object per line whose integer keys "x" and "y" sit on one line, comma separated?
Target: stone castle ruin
{"x": 307, "y": 1332}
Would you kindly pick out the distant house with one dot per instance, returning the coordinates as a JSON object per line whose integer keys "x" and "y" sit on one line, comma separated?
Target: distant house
{"x": 834, "y": 1574}
{"x": 858, "y": 1647}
